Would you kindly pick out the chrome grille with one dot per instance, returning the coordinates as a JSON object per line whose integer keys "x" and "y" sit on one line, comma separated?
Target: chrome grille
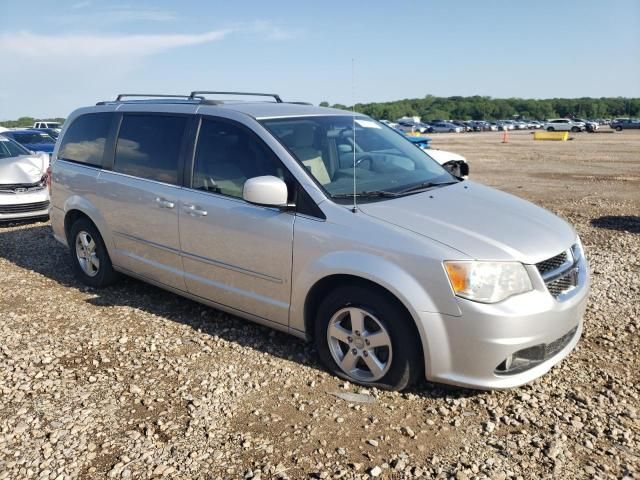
{"x": 552, "y": 263}
{"x": 16, "y": 188}
{"x": 560, "y": 273}
{"x": 564, "y": 283}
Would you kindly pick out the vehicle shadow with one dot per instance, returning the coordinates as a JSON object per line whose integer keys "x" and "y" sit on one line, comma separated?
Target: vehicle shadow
{"x": 34, "y": 248}
{"x": 626, "y": 223}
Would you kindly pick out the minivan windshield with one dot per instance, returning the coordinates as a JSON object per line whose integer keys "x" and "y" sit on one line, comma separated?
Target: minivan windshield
{"x": 386, "y": 164}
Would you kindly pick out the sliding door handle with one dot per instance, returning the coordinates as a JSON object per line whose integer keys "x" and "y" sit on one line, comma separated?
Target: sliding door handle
{"x": 164, "y": 203}
{"x": 195, "y": 211}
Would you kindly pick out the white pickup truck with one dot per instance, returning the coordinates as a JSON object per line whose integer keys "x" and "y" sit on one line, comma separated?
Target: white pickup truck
{"x": 54, "y": 125}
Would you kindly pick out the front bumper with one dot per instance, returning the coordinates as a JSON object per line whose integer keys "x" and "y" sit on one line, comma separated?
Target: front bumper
{"x": 468, "y": 350}
{"x": 21, "y": 206}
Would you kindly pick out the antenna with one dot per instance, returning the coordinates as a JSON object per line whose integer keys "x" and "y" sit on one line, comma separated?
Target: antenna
{"x": 354, "y": 209}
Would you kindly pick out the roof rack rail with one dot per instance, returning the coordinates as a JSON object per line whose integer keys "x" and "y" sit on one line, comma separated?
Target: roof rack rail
{"x": 198, "y": 93}
{"x": 149, "y": 95}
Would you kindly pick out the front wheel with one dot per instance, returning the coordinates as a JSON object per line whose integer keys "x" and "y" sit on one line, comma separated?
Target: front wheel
{"x": 89, "y": 256}
{"x": 363, "y": 336}
{"x": 618, "y": 129}
{"x": 575, "y": 129}
{"x": 550, "y": 129}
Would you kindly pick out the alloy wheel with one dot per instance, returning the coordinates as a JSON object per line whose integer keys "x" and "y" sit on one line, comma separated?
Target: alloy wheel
{"x": 86, "y": 254}
{"x": 359, "y": 344}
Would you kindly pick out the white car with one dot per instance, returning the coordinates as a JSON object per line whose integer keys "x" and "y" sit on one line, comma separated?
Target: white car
{"x": 506, "y": 125}
{"x": 23, "y": 182}
{"x": 453, "y": 162}
{"x": 53, "y": 125}
{"x": 564, "y": 125}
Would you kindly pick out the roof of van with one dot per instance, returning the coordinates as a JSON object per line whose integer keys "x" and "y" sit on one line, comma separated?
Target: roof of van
{"x": 257, "y": 109}
{"x": 264, "y": 110}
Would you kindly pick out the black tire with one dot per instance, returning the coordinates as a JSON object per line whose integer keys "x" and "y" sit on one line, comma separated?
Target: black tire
{"x": 451, "y": 130}
{"x": 407, "y": 362}
{"x": 105, "y": 274}
{"x": 550, "y": 129}
{"x": 618, "y": 129}
{"x": 575, "y": 129}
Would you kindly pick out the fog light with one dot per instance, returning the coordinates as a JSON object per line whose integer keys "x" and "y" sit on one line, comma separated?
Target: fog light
{"x": 527, "y": 358}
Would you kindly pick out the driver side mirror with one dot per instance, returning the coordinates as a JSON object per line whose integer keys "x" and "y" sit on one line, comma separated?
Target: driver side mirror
{"x": 268, "y": 191}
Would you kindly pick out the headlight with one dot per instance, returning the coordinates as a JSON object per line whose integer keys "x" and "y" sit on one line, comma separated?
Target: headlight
{"x": 487, "y": 282}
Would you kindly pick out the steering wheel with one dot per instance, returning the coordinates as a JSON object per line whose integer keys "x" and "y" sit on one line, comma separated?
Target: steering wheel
{"x": 363, "y": 158}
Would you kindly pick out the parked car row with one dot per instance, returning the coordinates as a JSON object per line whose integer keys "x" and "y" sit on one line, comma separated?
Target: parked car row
{"x": 458, "y": 126}
{"x": 407, "y": 125}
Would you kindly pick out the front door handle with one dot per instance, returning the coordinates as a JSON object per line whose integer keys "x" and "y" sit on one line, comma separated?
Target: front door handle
{"x": 195, "y": 211}
{"x": 164, "y": 203}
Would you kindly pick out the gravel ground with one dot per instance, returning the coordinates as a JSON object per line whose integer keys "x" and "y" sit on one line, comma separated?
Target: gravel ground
{"x": 135, "y": 382}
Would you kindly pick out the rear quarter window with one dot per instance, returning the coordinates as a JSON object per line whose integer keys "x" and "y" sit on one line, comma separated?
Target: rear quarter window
{"x": 85, "y": 140}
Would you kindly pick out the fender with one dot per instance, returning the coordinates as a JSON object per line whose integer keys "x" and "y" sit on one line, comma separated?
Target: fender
{"x": 379, "y": 270}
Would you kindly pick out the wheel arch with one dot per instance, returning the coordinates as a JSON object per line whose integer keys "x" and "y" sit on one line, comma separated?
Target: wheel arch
{"x": 333, "y": 281}
{"x": 79, "y": 207}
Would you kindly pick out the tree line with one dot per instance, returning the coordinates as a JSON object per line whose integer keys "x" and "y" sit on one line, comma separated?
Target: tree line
{"x": 469, "y": 108}
{"x": 488, "y": 108}
{"x": 27, "y": 122}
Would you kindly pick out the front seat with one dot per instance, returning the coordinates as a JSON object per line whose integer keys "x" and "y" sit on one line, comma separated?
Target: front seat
{"x": 311, "y": 157}
{"x": 223, "y": 170}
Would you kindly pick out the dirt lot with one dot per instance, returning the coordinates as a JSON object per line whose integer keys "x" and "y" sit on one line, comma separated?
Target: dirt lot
{"x": 134, "y": 382}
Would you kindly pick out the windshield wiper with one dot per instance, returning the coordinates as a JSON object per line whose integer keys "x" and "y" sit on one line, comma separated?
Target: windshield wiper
{"x": 371, "y": 194}
{"x": 424, "y": 186}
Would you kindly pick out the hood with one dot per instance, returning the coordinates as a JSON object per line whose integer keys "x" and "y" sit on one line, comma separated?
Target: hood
{"x": 39, "y": 147}
{"x": 481, "y": 222}
{"x": 23, "y": 169}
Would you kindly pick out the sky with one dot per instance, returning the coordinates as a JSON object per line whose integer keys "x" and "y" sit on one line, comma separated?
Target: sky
{"x": 56, "y": 56}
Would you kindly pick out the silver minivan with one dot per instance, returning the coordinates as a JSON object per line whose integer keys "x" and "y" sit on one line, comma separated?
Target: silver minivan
{"x": 325, "y": 224}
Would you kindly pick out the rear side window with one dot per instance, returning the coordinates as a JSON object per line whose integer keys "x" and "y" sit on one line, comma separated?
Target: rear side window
{"x": 149, "y": 146}
{"x": 85, "y": 139}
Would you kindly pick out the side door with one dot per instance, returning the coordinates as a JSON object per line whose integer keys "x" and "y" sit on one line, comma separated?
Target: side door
{"x": 139, "y": 195}
{"x": 235, "y": 253}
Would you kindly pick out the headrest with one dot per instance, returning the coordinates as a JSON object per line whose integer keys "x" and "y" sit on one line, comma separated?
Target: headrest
{"x": 303, "y": 135}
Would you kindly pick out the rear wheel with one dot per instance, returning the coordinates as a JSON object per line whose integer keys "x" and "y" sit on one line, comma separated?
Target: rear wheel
{"x": 550, "y": 129}
{"x": 89, "y": 257}
{"x": 365, "y": 337}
